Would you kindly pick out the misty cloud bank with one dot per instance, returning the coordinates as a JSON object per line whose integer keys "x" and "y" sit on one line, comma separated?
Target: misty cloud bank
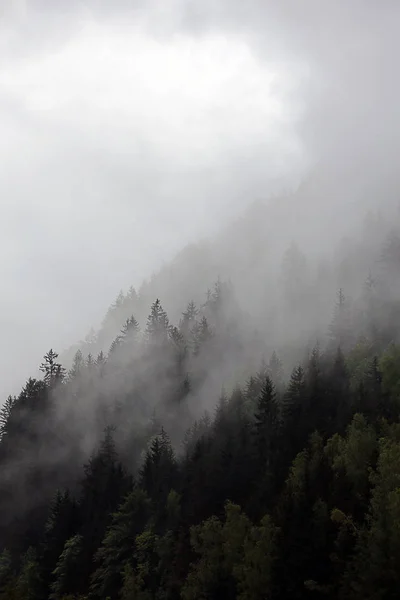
{"x": 132, "y": 131}
{"x": 233, "y": 168}
{"x": 120, "y": 145}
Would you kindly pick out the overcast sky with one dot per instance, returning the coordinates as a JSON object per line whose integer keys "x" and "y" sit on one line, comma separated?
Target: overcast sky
{"x": 130, "y": 128}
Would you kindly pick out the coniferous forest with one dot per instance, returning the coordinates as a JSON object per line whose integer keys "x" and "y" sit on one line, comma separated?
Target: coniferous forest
{"x": 209, "y": 456}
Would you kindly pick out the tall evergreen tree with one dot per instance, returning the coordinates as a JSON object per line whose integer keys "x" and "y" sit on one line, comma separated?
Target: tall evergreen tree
{"x": 116, "y": 550}
{"x": 52, "y": 369}
{"x": 158, "y": 327}
{"x": 294, "y": 411}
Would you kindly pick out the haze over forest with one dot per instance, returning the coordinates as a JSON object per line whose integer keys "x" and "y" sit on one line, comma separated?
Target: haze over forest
{"x": 130, "y": 131}
{"x": 200, "y": 242}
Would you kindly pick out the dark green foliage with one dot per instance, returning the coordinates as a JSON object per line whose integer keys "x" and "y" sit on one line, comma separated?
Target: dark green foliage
{"x": 115, "y": 552}
{"x": 290, "y": 489}
{"x": 29, "y": 585}
{"x": 7, "y": 573}
{"x": 61, "y": 524}
{"x": 68, "y": 572}
{"x": 159, "y": 474}
{"x": 267, "y": 434}
{"x": 294, "y": 411}
{"x": 103, "y": 487}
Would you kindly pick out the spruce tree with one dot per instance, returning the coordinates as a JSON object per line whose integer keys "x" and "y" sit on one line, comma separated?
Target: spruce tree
{"x": 52, "y": 369}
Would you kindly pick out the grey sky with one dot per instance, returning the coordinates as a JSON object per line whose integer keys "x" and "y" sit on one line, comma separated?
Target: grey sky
{"x": 124, "y": 135}
{"x": 130, "y": 128}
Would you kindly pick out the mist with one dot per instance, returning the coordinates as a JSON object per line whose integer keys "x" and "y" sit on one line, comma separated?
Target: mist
{"x": 131, "y": 132}
{"x": 200, "y": 217}
{"x": 121, "y": 143}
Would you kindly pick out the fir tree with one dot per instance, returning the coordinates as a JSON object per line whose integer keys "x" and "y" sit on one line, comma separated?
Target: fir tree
{"x": 158, "y": 327}
{"x": 53, "y": 370}
{"x": 5, "y": 414}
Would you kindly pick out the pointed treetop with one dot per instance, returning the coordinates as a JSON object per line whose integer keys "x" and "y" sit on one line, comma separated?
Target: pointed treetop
{"x": 158, "y": 326}
{"x": 52, "y": 369}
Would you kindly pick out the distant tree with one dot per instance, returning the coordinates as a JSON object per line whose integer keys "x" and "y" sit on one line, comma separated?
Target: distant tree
{"x": 158, "y": 327}
{"x": 159, "y": 471}
{"x": 254, "y": 575}
{"x": 61, "y": 525}
{"x": 188, "y": 320}
{"x": 77, "y": 366}
{"x": 116, "y": 550}
{"x": 7, "y": 573}
{"x": 374, "y": 572}
{"x": 341, "y": 330}
{"x": 180, "y": 349}
{"x": 104, "y": 485}
{"x": 53, "y": 370}
{"x": 317, "y": 403}
{"x": 67, "y": 574}
{"x": 201, "y": 334}
{"x": 130, "y": 329}
{"x": 90, "y": 362}
{"x": 101, "y": 363}
{"x": 275, "y": 370}
{"x": 267, "y": 434}
{"x": 29, "y": 583}
{"x": 338, "y": 408}
{"x": 267, "y": 421}
{"x": 235, "y": 558}
{"x": 294, "y": 410}
{"x": 5, "y": 414}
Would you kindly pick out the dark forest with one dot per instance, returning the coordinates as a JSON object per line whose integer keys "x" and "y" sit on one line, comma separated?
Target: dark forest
{"x": 195, "y": 461}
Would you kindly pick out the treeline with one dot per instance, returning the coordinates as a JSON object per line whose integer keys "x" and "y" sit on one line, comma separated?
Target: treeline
{"x": 288, "y": 487}
{"x": 288, "y": 491}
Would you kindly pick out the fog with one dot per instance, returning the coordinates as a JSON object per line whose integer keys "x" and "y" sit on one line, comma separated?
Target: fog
{"x": 231, "y": 167}
{"x": 129, "y": 131}
{"x": 120, "y": 143}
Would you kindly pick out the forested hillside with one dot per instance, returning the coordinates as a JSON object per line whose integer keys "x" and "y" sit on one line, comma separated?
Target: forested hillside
{"x": 236, "y": 443}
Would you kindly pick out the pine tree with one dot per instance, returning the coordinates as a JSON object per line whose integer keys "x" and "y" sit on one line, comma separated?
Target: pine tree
{"x": 159, "y": 470}
{"x": 254, "y": 574}
{"x": 294, "y": 411}
{"x": 7, "y": 573}
{"x": 68, "y": 572}
{"x": 341, "y": 330}
{"x": 253, "y": 389}
{"x": 61, "y": 525}
{"x": 202, "y": 334}
{"x": 339, "y": 405}
{"x": 275, "y": 370}
{"x": 267, "y": 422}
{"x": 5, "y": 414}
{"x": 316, "y": 407}
{"x": 101, "y": 363}
{"x": 116, "y": 550}
{"x": 295, "y": 394}
{"x": 180, "y": 351}
{"x": 29, "y": 584}
{"x": 267, "y": 433}
{"x": 104, "y": 486}
{"x": 53, "y": 370}
{"x": 77, "y": 366}
{"x": 158, "y": 327}
{"x": 188, "y": 320}
{"x": 90, "y": 362}
{"x": 130, "y": 330}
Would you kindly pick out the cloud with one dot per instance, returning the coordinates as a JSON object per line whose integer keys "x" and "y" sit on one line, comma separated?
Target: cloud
{"x": 125, "y": 136}
{"x": 130, "y": 128}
